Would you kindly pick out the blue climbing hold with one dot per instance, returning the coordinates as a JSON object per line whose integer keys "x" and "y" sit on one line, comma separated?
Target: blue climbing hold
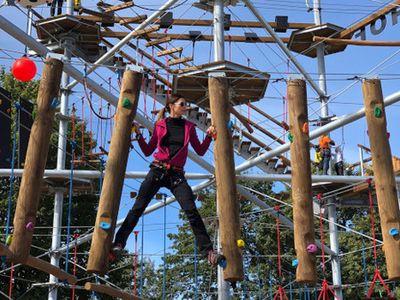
{"x": 295, "y": 262}
{"x": 105, "y": 225}
{"x": 394, "y": 231}
{"x": 230, "y": 124}
{"x": 17, "y": 105}
{"x": 221, "y": 261}
{"x": 54, "y": 103}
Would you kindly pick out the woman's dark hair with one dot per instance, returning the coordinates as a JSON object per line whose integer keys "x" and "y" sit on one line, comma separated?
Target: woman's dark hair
{"x": 170, "y": 100}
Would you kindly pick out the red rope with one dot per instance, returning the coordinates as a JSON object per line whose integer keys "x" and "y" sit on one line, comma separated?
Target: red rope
{"x": 377, "y": 275}
{"x": 11, "y": 281}
{"x": 154, "y": 79}
{"x": 74, "y": 270}
{"x": 134, "y": 263}
{"x": 278, "y": 238}
{"x": 326, "y": 289}
{"x": 83, "y": 130}
{"x": 281, "y": 293}
{"x": 91, "y": 132}
{"x": 371, "y": 213}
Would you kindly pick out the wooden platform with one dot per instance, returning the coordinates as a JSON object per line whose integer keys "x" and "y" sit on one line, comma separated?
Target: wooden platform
{"x": 246, "y": 84}
{"x": 86, "y": 35}
{"x": 79, "y": 186}
{"x": 301, "y": 40}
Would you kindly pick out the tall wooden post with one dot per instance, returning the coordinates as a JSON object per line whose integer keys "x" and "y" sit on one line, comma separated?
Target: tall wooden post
{"x": 114, "y": 173}
{"x": 385, "y": 184}
{"x": 35, "y": 162}
{"x": 303, "y": 217}
{"x": 228, "y": 204}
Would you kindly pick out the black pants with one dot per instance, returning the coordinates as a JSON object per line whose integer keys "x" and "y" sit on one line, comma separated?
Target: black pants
{"x": 177, "y": 184}
{"x": 59, "y": 4}
{"x": 339, "y": 168}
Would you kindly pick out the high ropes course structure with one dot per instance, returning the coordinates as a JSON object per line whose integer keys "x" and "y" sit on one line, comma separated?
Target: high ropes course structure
{"x": 140, "y": 52}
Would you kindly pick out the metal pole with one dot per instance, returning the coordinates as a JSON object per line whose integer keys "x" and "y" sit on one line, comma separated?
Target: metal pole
{"x": 334, "y": 243}
{"x": 110, "y": 53}
{"x": 333, "y": 230}
{"x": 223, "y": 286}
{"x": 361, "y": 151}
{"x": 219, "y": 45}
{"x": 61, "y": 155}
{"x": 271, "y": 31}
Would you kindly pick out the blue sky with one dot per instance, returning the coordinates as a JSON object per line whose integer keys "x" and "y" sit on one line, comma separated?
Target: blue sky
{"x": 264, "y": 57}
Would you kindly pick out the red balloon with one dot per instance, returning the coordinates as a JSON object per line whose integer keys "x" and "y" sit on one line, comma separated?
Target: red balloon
{"x": 24, "y": 69}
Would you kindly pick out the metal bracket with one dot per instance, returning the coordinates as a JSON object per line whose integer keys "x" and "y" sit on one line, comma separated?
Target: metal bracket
{"x": 295, "y": 76}
{"x": 55, "y": 56}
{"x": 135, "y": 68}
{"x": 217, "y": 74}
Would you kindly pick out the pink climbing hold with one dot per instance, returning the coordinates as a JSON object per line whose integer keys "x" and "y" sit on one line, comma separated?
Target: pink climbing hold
{"x": 312, "y": 248}
{"x": 29, "y": 226}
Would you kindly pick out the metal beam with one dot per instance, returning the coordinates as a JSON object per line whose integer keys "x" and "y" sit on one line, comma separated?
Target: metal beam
{"x": 285, "y": 49}
{"x": 110, "y": 53}
{"x": 341, "y": 121}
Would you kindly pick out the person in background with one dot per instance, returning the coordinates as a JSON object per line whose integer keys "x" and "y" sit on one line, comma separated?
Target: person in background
{"x": 324, "y": 144}
{"x": 339, "y": 160}
{"x": 171, "y": 138}
{"x": 59, "y": 4}
{"x": 317, "y": 159}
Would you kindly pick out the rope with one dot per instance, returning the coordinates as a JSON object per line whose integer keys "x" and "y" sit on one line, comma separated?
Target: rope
{"x": 141, "y": 259}
{"x": 69, "y": 207}
{"x": 364, "y": 266}
{"x": 154, "y": 85}
{"x": 11, "y": 281}
{"x": 76, "y": 235}
{"x": 270, "y": 279}
{"x": 135, "y": 262}
{"x": 14, "y": 149}
{"x": 259, "y": 278}
{"x": 91, "y": 131}
{"x": 195, "y": 270}
{"x": 377, "y": 275}
{"x": 83, "y": 130}
{"x": 165, "y": 249}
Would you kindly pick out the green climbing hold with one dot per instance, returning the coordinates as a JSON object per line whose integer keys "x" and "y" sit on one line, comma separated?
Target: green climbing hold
{"x": 126, "y": 103}
{"x": 290, "y": 137}
{"x": 34, "y": 114}
{"x": 377, "y": 112}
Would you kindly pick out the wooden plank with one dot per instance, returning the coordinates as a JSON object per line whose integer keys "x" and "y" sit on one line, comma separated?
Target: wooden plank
{"x": 240, "y": 24}
{"x": 119, "y": 7}
{"x": 107, "y": 19}
{"x": 108, "y": 290}
{"x": 169, "y": 51}
{"x": 173, "y": 62}
{"x": 333, "y": 41}
{"x": 187, "y": 37}
{"x": 113, "y": 34}
{"x": 39, "y": 264}
{"x": 159, "y": 41}
{"x": 370, "y": 19}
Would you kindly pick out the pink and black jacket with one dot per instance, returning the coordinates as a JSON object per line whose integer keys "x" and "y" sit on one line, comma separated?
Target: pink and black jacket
{"x": 162, "y": 154}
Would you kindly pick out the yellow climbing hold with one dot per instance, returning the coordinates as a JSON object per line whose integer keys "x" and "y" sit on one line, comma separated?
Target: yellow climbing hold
{"x": 240, "y": 243}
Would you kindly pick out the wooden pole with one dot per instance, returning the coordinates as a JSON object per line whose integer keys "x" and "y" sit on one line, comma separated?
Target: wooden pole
{"x": 303, "y": 217}
{"x": 385, "y": 184}
{"x": 228, "y": 203}
{"x": 114, "y": 173}
{"x": 35, "y": 162}
{"x": 108, "y": 290}
{"x": 333, "y": 41}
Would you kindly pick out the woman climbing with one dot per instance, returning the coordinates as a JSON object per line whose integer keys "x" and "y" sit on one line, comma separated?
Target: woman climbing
{"x": 171, "y": 137}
